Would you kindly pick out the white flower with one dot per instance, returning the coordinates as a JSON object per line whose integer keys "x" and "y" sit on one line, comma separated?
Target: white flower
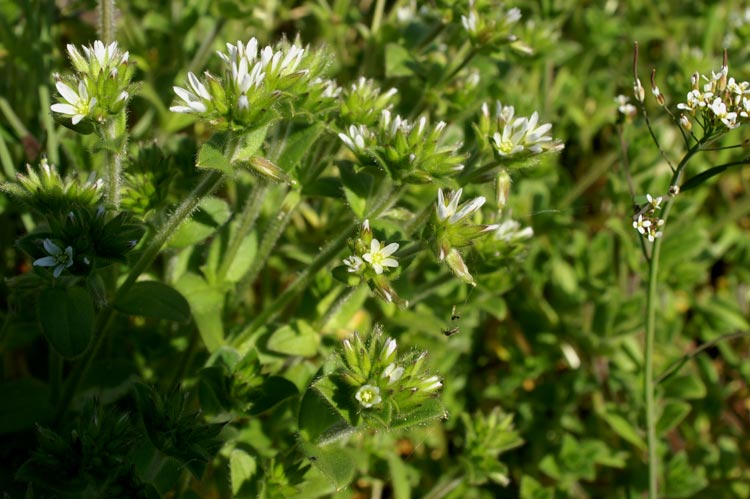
{"x": 353, "y": 263}
{"x": 79, "y": 104}
{"x": 357, "y": 138}
{"x": 380, "y": 257}
{"x": 624, "y": 106}
{"x": 447, "y": 211}
{"x": 393, "y": 373}
{"x": 509, "y": 142}
{"x": 641, "y": 225}
{"x": 510, "y": 230}
{"x": 192, "y": 102}
{"x": 57, "y": 258}
{"x": 470, "y": 22}
{"x": 655, "y": 203}
{"x": 431, "y": 384}
{"x": 368, "y": 395}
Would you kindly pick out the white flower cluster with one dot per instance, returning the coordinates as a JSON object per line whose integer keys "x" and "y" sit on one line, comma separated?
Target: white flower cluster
{"x": 646, "y": 222}
{"x": 518, "y": 135}
{"x": 100, "y": 86}
{"x": 720, "y": 99}
{"x": 255, "y": 79}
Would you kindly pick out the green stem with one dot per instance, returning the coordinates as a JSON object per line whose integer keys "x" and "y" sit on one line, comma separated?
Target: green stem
{"x": 271, "y": 235}
{"x": 113, "y": 163}
{"x": 7, "y": 161}
{"x": 49, "y": 125}
{"x": 377, "y": 17}
{"x": 107, "y": 21}
{"x": 15, "y": 122}
{"x": 246, "y": 221}
{"x": 651, "y": 301}
{"x": 207, "y": 185}
{"x": 381, "y": 203}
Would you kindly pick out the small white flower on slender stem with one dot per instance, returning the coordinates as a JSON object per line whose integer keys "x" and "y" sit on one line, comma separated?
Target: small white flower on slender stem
{"x": 79, "y": 104}
{"x": 380, "y": 257}
{"x": 58, "y": 258}
{"x": 368, "y": 396}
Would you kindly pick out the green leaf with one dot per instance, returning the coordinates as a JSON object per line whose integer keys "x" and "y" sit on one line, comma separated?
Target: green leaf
{"x": 672, "y": 415}
{"x": 154, "y": 299}
{"x": 242, "y": 467}
{"x": 272, "y": 392}
{"x": 622, "y": 427}
{"x": 357, "y": 188}
{"x": 399, "y": 476}
{"x": 212, "y": 213}
{"x": 427, "y": 411}
{"x": 211, "y": 155}
{"x": 67, "y": 319}
{"x": 531, "y": 489}
{"x": 250, "y": 144}
{"x": 688, "y": 387}
{"x": 207, "y": 304}
{"x": 399, "y": 61}
{"x": 319, "y": 421}
{"x": 334, "y": 462}
{"x": 682, "y": 479}
{"x": 697, "y": 180}
{"x": 243, "y": 259}
{"x": 298, "y": 338}
{"x": 298, "y": 144}
{"x": 26, "y": 404}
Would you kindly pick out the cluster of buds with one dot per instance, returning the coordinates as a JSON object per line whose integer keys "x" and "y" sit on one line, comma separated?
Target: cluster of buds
{"x": 490, "y": 26}
{"x": 409, "y": 152}
{"x": 100, "y": 87}
{"x": 646, "y": 222}
{"x": 451, "y": 229}
{"x": 256, "y": 81}
{"x": 512, "y": 137}
{"x": 370, "y": 260}
{"x": 381, "y": 380}
{"x": 363, "y": 102}
{"x": 717, "y": 102}
{"x": 46, "y": 192}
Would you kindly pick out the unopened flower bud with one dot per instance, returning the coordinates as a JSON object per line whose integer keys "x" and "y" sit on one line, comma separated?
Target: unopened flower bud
{"x": 638, "y": 91}
{"x": 685, "y": 122}
{"x": 502, "y": 189}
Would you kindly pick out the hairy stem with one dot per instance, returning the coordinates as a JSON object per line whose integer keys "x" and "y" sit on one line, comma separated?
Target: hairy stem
{"x": 113, "y": 162}
{"x": 107, "y": 21}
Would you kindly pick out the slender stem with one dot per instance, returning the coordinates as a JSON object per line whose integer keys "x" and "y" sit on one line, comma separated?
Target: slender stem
{"x": 246, "y": 221}
{"x": 6, "y": 160}
{"x": 677, "y": 364}
{"x": 377, "y": 17}
{"x": 651, "y": 302}
{"x": 49, "y": 125}
{"x": 113, "y": 162}
{"x": 15, "y": 122}
{"x": 107, "y": 21}
{"x": 271, "y": 235}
